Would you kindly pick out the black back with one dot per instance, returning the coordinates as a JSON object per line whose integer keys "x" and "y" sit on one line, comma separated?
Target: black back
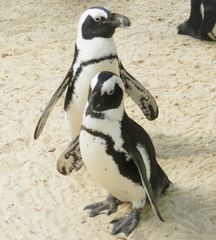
{"x": 132, "y": 134}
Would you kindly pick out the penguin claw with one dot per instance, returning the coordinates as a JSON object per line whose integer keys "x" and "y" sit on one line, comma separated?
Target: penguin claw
{"x": 126, "y": 224}
{"x": 110, "y": 204}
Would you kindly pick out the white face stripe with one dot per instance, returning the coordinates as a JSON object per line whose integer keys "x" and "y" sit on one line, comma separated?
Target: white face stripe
{"x": 108, "y": 85}
{"x": 94, "y": 12}
{"x": 94, "y": 81}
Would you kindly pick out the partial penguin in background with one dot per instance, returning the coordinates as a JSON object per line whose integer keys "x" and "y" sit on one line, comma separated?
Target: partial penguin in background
{"x": 202, "y": 21}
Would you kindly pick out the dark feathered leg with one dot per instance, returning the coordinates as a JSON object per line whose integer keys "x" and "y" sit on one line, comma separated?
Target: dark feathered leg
{"x": 126, "y": 224}
{"x": 191, "y": 26}
{"x": 110, "y": 204}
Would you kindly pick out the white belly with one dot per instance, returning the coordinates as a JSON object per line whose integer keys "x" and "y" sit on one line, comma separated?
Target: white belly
{"x": 103, "y": 168}
{"x": 75, "y": 109}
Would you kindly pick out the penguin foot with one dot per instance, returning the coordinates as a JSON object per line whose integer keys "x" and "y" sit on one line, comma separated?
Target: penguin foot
{"x": 70, "y": 159}
{"x": 126, "y": 224}
{"x": 110, "y": 204}
{"x": 186, "y": 29}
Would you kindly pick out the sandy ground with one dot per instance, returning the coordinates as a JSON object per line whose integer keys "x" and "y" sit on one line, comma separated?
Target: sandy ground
{"x": 36, "y": 50}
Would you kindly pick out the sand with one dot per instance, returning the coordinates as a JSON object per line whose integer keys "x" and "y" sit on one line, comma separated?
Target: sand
{"x": 36, "y": 50}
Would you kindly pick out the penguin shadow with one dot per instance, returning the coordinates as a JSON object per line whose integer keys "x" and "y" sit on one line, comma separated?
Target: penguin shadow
{"x": 178, "y": 146}
{"x": 185, "y": 212}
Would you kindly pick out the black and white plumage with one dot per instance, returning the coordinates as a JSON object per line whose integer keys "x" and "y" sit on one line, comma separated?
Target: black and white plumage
{"x": 95, "y": 51}
{"x": 119, "y": 153}
{"x": 202, "y": 21}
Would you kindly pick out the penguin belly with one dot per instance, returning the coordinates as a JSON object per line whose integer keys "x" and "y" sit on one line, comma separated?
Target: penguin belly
{"x": 74, "y": 112}
{"x": 103, "y": 167}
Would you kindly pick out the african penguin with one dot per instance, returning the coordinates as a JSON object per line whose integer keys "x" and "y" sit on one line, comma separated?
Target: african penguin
{"x": 119, "y": 153}
{"x": 202, "y": 21}
{"x": 95, "y": 51}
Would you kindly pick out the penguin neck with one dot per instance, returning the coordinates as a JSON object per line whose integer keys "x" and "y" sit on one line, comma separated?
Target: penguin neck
{"x": 107, "y": 121}
{"x": 95, "y": 48}
{"x": 115, "y": 115}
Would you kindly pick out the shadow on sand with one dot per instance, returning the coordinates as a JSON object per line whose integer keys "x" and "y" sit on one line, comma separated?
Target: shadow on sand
{"x": 171, "y": 146}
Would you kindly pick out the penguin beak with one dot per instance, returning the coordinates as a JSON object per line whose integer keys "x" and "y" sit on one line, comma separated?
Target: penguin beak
{"x": 91, "y": 103}
{"x": 89, "y": 109}
{"x": 118, "y": 20}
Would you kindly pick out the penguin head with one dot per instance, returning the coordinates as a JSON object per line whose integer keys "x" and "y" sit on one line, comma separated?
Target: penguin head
{"x": 106, "y": 93}
{"x": 100, "y": 22}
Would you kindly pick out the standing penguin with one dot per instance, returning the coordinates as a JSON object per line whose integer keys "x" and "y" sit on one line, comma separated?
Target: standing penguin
{"x": 95, "y": 51}
{"x": 202, "y": 21}
{"x": 119, "y": 153}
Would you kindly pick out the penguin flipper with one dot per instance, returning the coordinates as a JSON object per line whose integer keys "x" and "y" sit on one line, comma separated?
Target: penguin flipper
{"x": 42, "y": 121}
{"x": 138, "y": 160}
{"x": 140, "y": 95}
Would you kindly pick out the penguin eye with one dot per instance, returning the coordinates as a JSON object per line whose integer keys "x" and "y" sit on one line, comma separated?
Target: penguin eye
{"x": 99, "y": 19}
{"x": 110, "y": 92}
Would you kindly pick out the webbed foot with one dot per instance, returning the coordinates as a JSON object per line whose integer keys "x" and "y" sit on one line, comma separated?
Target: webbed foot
{"x": 186, "y": 29}
{"x": 126, "y": 224}
{"x": 110, "y": 204}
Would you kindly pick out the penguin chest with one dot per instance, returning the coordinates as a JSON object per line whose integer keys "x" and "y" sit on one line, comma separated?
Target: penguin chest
{"x": 82, "y": 83}
{"x": 104, "y": 168}
{"x": 79, "y": 96}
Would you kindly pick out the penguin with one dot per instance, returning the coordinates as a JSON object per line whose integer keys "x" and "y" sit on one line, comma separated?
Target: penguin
{"x": 95, "y": 51}
{"x": 202, "y": 21}
{"x": 119, "y": 154}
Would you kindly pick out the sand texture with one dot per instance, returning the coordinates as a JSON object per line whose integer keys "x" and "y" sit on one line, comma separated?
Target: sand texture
{"x": 36, "y": 50}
